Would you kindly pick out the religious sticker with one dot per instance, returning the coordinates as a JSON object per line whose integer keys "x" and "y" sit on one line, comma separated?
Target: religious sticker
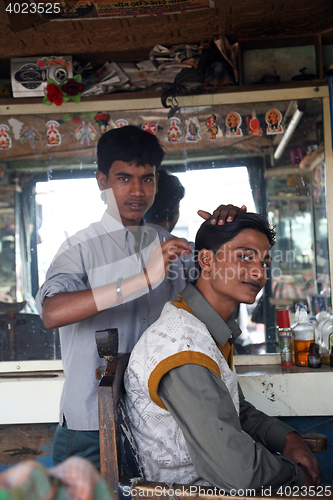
{"x": 32, "y": 135}
{"x": 174, "y": 133}
{"x": 212, "y": 127}
{"x": 5, "y": 140}
{"x": 102, "y": 119}
{"x": 121, "y": 123}
{"x": 85, "y": 132}
{"x": 53, "y": 135}
{"x": 253, "y": 124}
{"x": 233, "y": 122}
{"x": 192, "y": 130}
{"x": 273, "y": 119}
{"x": 149, "y": 127}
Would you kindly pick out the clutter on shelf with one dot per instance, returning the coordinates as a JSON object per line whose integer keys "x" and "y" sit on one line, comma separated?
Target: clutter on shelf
{"x": 180, "y": 69}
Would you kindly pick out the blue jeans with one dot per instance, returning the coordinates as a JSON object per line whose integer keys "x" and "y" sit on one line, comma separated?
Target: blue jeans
{"x": 81, "y": 443}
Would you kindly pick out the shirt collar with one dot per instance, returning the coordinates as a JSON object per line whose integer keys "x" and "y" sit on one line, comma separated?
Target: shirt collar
{"x": 222, "y": 331}
{"x": 119, "y": 232}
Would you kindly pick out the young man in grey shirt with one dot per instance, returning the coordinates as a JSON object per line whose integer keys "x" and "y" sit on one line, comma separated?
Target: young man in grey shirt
{"x": 188, "y": 416}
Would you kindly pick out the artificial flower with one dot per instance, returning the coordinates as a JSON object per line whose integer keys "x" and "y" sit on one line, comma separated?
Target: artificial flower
{"x": 58, "y": 94}
{"x": 54, "y": 94}
{"x": 72, "y": 87}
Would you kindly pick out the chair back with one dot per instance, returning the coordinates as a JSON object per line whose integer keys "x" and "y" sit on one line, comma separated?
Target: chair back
{"x": 119, "y": 457}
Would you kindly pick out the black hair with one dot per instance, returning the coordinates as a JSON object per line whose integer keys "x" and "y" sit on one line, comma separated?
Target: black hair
{"x": 128, "y": 144}
{"x": 170, "y": 191}
{"x": 212, "y": 237}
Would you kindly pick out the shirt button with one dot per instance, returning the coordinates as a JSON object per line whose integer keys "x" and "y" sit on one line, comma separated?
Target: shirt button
{"x": 143, "y": 321}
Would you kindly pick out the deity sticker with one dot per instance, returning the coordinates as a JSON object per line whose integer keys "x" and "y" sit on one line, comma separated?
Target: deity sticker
{"x": 149, "y": 127}
{"x": 53, "y": 135}
{"x": 233, "y": 122}
{"x": 273, "y": 119}
{"x": 121, "y": 123}
{"x": 5, "y": 140}
{"x": 102, "y": 119}
{"x": 192, "y": 130}
{"x": 212, "y": 127}
{"x": 253, "y": 124}
{"x": 85, "y": 132}
{"x": 174, "y": 132}
{"x": 32, "y": 135}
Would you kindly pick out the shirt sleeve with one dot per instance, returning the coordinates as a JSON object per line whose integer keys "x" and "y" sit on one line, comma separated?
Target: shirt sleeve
{"x": 269, "y": 431}
{"x": 66, "y": 274}
{"x": 221, "y": 451}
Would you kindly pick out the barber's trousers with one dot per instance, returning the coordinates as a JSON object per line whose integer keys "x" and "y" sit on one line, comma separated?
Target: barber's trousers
{"x": 82, "y": 443}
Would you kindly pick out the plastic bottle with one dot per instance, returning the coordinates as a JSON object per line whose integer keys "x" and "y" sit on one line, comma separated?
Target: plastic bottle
{"x": 321, "y": 317}
{"x": 327, "y": 338}
{"x": 285, "y": 337}
{"x": 304, "y": 334}
{"x": 296, "y": 317}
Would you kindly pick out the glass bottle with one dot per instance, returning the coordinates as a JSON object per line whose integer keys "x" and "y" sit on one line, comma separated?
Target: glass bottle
{"x": 314, "y": 360}
{"x": 304, "y": 334}
{"x": 285, "y": 337}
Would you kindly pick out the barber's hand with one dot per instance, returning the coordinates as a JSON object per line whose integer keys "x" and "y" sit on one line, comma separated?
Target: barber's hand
{"x": 295, "y": 448}
{"x": 161, "y": 257}
{"x": 224, "y": 213}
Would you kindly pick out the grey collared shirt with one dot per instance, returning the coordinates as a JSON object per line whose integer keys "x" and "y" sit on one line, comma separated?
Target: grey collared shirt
{"x": 226, "y": 450}
{"x": 96, "y": 256}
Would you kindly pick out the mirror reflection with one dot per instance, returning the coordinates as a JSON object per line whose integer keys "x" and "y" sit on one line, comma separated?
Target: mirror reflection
{"x": 268, "y": 156}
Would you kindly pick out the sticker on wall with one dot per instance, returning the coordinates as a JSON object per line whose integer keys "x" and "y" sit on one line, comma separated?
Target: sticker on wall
{"x": 32, "y": 135}
{"x": 233, "y": 122}
{"x": 121, "y": 123}
{"x": 192, "y": 130}
{"x": 85, "y": 132}
{"x": 53, "y": 135}
{"x": 150, "y": 127}
{"x": 212, "y": 127}
{"x": 5, "y": 140}
{"x": 253, "y": 124}
{"x": 16, "y": 126}
{"x": 174, "y": 133}
{"x": 102, "y": 119}
{"x": 273, "y": 119}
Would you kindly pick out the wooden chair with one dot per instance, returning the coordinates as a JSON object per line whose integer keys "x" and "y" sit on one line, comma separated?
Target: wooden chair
{"x": 120, "y": 464}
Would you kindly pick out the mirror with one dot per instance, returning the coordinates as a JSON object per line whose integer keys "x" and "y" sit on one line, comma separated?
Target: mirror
{"x": 266, "y": 155}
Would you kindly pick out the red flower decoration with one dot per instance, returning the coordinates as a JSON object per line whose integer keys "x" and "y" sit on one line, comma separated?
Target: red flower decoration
{"x": 71, "y": 87}
{"x": 54, "y": 94}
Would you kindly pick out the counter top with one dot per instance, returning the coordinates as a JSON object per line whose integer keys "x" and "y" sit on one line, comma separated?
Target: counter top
{"x": 290, "y": 391}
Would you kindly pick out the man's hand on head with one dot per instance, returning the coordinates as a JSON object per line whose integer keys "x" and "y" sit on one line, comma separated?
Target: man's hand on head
{"x": 162, "y": 256}
{"x": 222, "y": 214}
{"x": 295, "y": 448}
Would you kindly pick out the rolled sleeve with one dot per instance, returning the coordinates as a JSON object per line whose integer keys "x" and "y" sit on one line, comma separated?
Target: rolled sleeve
{"x": 66, "y": 274}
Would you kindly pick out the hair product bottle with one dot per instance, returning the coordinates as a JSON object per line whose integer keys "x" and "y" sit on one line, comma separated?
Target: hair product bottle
{"x": 304, "y": 334}
{"x": 285, "y": 337}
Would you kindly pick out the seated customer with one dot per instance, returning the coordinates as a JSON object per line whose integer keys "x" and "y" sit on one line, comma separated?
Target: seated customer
{"x": 188, "y": 415}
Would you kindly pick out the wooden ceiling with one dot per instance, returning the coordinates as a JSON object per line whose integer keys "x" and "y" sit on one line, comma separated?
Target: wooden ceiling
{"x": 132, "y": 38}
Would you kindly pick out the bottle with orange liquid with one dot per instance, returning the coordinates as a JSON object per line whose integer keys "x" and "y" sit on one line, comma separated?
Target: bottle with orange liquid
{"x": 304, "y": 334}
